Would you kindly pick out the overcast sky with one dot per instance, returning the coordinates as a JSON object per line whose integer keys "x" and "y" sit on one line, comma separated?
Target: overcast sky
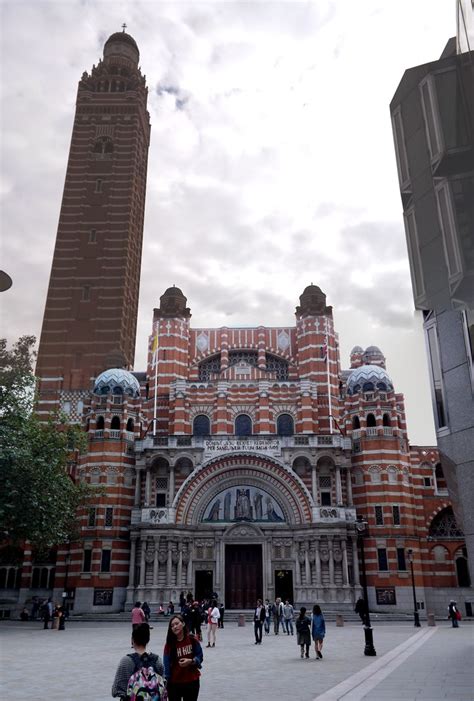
{"x": 271, "y": 163}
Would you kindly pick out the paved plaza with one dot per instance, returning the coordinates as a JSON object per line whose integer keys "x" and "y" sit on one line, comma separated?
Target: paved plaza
{"x": 79, "y": 663}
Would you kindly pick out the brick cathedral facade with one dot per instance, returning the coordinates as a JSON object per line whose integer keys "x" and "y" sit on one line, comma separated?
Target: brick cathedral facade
{"x": 240, "y": 458}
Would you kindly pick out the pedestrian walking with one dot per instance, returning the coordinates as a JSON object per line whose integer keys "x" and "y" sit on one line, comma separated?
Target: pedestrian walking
{"x": 62, "y": 617}
{"x": 454, "y": 613}
{"x": 47, "y": 613}
{"x": 182, "y": 659}
{"x": 268, "y": 616}
{"x": 212, "y": 621}
{"x": 140, "y": 669}
{"x": 258, "y": 620}
{"x": 220, "y": 624}
{"x": 288, "y": 614}
{"x": 196, "y": 619}
{"x": 146, "y": 610}
{"x": 138, "y": 615}
{"x": 277, "y": 615}
{"x": 303, "y": 629}
{"x": 318, "y": 630}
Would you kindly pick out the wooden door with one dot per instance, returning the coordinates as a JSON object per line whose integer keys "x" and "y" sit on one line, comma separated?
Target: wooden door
{"x": 243, "y": 576}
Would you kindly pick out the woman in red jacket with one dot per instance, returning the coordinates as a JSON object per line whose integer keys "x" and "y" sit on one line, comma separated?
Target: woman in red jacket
{"x": 182, "y": 659}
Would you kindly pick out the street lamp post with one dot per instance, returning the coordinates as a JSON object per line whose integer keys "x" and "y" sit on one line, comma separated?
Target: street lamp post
{"x": 369, "y": 648}
{"x": 416, "y": 615}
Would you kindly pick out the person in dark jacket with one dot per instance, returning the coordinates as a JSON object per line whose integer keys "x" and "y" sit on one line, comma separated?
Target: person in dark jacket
{"x": 303, "y": 629}
{"x": 453, "y": 613}
{"x": 182, "y": 659}
{"x": 127, "y": 665}
{"x": 361, "y": 609}
{"x": 258, "y": 621}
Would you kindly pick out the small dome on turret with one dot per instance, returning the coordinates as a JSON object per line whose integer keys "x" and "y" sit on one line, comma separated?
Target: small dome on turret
{"x": 313, "y": 302}
{"x": 357, "y": 350}
{"x": 374, "y": 356}
{"x": 368, "y": 378}
{"x": 173, "y": 304}
{"x": 121, "y": 45}
{"x": 117, "y": 381}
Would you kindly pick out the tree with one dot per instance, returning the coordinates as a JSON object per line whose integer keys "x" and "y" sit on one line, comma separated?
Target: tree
{"x": 38, "y": 498}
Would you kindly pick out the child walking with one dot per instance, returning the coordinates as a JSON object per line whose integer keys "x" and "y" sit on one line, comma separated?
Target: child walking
{"x": 303, "y": 629}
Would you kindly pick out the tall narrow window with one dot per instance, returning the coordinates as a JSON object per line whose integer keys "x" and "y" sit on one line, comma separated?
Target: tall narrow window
{"x": 414, "y": 256}
{"x": 91, "y": 517}
{"x": 355, "y": 422}
{"x": 86, "y": 293}
{"x": 378, "y": 515}
{"x": 105, "y": 560}
{"x": 400, "y": 150}
{"x": 87, "y": 562}
{"x": 401, "y": 561}
{"x": 448, "y": 230}
{"x": 98, "y": 185}
{"x": 93, "y": 236}
{"x": 201, "y": 425}
{"x": 109, "y": 517}
{"x": 436, "y": 376}
{"x": 371, "y": 421}
{"x": 431, "y": 117}
{"x": 382, "y": 559}
{"x": 396, "y": 515}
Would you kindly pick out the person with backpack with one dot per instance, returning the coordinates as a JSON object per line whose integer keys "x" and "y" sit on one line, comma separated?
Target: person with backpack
{"x": 318, "y": 630}
{"x": 182, "y": 659}
{"x": 140, "y": 674}
{"x": 303, "y": 629}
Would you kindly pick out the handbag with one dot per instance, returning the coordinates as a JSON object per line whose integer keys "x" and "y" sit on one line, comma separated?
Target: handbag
{"x": 458, "y": 615}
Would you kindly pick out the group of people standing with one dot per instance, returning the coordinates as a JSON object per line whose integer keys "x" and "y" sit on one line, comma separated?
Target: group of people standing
{"x": 307, "y": 627}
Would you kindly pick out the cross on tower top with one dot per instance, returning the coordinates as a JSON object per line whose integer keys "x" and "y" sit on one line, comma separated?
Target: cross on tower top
{"x": 124, "y": 27}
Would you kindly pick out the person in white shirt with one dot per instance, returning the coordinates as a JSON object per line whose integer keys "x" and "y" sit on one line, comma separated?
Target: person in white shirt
{"x": 213, "y": 616}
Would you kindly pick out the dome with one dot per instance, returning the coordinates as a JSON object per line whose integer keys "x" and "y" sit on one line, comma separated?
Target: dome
{"x": 373, "y": 350}
{"x": 313, "y": 303}
{"x": 123, "y": 46}
{"x": 357, "y": 349}
{"x": 123, "y": 38}
{"x": 117, "y": 381}
{"x": 368, "y": 378}
{"x": 173, "y": 304}
{"x": 173, "y": 292}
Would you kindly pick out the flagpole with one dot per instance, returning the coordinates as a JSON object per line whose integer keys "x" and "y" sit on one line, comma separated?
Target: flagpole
{"x": 328, "y": 377}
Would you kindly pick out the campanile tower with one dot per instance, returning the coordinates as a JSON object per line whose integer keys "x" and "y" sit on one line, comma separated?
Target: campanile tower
{"x": 92, "y": 302}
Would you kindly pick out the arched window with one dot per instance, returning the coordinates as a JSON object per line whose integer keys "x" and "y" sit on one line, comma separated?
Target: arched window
{"x": 355, "y": 422}
{"x": 386, "y": 420}
{"x": 103, "y": 146}
{"x": 243, "y": 425}
{"x": 130, "y": 425}
{"x": 99, "y": 426}
{"x": 115, "y": 424}
{"x": 382, "y": 386}
{"x": 117, "y": 390}
{"x": 370, "y": 420}
{"x": 201, "y": 425}
{"x": 444, "y": 526}
{"x": 368, "y": 387}
{"x": 285, "y": 425}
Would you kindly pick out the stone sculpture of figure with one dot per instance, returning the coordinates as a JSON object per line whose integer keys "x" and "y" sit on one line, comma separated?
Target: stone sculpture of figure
{"x": 271, "y": 513}
{"x": 257, "y": 502}
{"x": 243, "y": 509}
{"x": 214, "y": 512}
{"x": 227, "y": 500}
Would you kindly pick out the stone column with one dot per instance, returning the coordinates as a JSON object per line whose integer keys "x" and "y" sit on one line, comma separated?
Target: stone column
{"x": 171, "y": 486}
{"x": 156, "y": 564}
{"x": 350, "y": 501}
{"x": 345, "y": 571}
{"x": 143, "y": 563}
{"x": 299, "y": 562}
{"x": 131, "y": 566}
{"x": 314, "y": 484}
{"x": 138, "y": 487}
{"x": 338, "y": 486}
{"x": 179, "y": 568}
{"x": 355, "y": 561}
{"x": 148, "y": 487}
{"x": 169, "y": 565}
{"x": 307, "y": 565}
{"x": 317, "y": 562}
{"x": 331, "y": 562}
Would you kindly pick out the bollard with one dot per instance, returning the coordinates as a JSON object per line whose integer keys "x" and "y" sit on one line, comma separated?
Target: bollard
{"x": 241, "y": 620}
{"x": 339, "y": 620}
{"x": 431, "y": 619}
